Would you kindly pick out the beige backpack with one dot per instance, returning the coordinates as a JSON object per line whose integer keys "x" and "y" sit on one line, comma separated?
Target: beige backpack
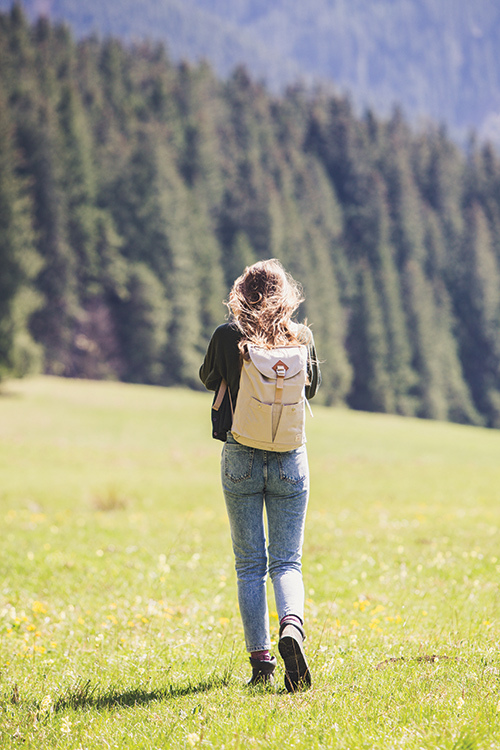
{"x": 270, "y": 408}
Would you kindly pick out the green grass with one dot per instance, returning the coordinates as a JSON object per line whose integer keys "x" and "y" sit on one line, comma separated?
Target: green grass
{"x": 118, "y": 618}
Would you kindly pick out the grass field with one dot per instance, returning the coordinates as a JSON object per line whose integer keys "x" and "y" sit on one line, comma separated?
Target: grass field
{"x": 118, "y": 617}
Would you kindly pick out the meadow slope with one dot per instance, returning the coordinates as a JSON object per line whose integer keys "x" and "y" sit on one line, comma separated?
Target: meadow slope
{"x": 118, "y": 617}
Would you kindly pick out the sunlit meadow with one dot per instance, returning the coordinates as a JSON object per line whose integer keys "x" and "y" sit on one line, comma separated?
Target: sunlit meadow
{"x": 118, "y": 617}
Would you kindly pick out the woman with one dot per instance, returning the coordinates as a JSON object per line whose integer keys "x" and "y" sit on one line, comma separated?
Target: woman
{"x": 262, "y": 302}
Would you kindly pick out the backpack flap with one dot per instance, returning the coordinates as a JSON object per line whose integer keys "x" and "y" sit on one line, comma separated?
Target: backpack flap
{"x": 293, "y": 359}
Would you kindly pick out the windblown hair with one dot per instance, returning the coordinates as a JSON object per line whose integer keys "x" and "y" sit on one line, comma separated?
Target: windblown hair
{"x": 262, "y": 301}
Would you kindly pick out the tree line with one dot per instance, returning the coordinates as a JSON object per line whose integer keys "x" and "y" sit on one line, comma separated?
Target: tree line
{"x": 133, "y": 191}
{"x": 438, "y": 58}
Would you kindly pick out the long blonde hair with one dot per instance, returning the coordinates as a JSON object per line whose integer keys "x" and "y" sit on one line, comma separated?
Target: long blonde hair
{"x": 262, "y": 302}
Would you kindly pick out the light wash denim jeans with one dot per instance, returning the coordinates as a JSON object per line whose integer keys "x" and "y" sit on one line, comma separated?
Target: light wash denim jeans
{"x": 253, "y": 479}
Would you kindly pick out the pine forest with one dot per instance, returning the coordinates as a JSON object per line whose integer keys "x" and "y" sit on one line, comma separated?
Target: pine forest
{"x": 134, "y": 190}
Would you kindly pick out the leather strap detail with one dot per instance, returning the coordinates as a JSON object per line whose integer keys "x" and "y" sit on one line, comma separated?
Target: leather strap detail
{"x": 280, "y": 369}
{"x": 220, "y": 395}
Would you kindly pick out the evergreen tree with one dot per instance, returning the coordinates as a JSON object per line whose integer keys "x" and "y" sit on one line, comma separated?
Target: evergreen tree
{"x": 78, "y": 186}
{"x": 241, "y": 256}
{"x": 371, "y": 387}
{"x": 141, "y": 317}
{"x": 201, "y": 105}
{"x": 19, "y": 261}
{"x": 54, "y": 324}
{"x": 426, "y": 339}
{"x": 478, "y": 308}
{"x": 327, "y": 318}
{"x": 384, "y": 261}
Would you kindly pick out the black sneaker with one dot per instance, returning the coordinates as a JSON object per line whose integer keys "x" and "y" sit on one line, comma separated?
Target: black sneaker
{"x": 297, "y": 674}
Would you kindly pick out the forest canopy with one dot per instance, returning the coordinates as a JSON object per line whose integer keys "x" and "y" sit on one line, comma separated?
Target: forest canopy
{"x": 436, "y": 58}
{"x": 134, "y": 190}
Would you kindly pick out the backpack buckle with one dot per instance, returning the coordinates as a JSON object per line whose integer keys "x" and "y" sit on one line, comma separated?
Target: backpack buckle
{"x": 280, "y": 369}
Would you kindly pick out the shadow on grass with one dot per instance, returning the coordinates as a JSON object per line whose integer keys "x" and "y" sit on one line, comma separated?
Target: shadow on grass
{"x": 84, "y": 694}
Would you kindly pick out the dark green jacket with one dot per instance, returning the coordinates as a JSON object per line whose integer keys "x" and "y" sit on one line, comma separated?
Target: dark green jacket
{"x": 222, "y": 360}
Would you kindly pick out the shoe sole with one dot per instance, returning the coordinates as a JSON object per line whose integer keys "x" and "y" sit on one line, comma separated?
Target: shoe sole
{"x": 297, "y": 674}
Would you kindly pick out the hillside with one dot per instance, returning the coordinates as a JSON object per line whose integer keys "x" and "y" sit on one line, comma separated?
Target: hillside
{"x": 118, "y": 604}
{"x": 436, "y": 59}
{"x": 133, "y": 191}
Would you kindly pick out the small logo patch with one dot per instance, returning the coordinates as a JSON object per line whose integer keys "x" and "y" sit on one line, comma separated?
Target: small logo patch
{"x": 280, "y": 365}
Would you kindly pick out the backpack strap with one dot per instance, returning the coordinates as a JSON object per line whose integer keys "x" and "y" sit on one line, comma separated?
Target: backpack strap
{"x": 220, "y": 395}
{"x": 280, "y": 369}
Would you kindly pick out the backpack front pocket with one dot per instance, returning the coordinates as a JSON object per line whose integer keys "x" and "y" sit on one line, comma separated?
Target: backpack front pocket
{"x": 258, "y": 421}
{"x": 291, "y": 425}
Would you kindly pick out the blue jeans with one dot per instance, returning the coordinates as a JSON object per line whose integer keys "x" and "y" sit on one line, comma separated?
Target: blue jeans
{"x": 252, "y": 479}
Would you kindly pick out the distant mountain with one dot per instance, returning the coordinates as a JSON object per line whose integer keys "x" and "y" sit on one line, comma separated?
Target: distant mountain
{"x": 438, "y": 59}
